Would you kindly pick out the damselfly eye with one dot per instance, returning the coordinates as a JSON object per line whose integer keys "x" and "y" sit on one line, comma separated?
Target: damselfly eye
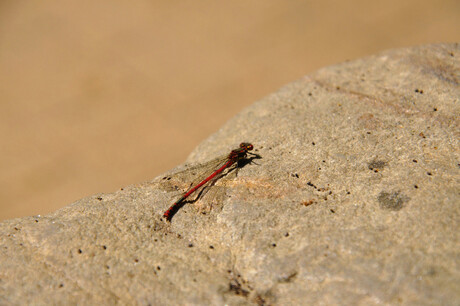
{"x": 246, "y": 146}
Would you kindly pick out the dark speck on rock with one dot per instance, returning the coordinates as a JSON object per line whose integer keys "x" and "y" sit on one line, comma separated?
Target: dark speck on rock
{"x": 391, "y": 201}
{"x": 376, "y": 164}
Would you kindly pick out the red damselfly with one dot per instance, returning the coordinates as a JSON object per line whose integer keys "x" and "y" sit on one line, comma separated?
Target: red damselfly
{"x": 213, "y": 170}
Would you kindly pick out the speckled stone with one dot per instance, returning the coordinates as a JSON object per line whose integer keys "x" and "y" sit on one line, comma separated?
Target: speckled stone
{"x": 354, "y": 201}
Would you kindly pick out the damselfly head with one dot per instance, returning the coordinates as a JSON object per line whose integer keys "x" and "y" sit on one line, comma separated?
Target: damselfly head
{"x": 246, "y": 146}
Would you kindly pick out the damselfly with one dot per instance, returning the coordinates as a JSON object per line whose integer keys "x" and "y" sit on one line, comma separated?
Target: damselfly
{"x": 213, "y": 170}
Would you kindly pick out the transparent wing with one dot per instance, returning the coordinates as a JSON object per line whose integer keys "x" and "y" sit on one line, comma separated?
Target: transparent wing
{"x": 193, "y": 175}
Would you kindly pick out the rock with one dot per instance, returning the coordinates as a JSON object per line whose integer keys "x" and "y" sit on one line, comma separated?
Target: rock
{"x": 353, "y": 201}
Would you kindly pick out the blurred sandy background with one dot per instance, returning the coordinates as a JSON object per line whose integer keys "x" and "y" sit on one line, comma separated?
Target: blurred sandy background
{"x": 96, "y": 95}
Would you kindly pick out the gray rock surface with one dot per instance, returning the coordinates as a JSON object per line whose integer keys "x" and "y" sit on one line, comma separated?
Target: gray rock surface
{"x": 354, "y": 201}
